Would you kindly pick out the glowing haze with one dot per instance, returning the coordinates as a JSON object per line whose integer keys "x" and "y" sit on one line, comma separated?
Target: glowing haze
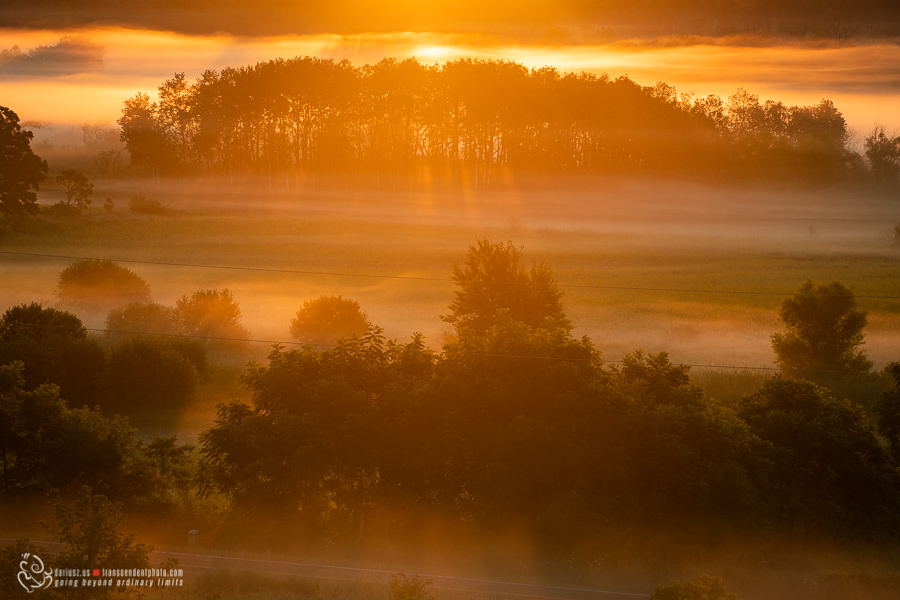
{"x": 862, "y": 80}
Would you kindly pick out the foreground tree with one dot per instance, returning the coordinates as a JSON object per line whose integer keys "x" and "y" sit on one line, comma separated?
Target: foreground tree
{"x": 888, "y": 411}
{"x": 53, "y": 346}
{"x": 21, "y": 170}
{"x": 828, "y": 469}
{"x": 325, "y": 319}
{"x": 33, "y": 321}
{"x": 493, "y": 279}
{"x": 823, "y": 330}
{"x": 89, "y": 526}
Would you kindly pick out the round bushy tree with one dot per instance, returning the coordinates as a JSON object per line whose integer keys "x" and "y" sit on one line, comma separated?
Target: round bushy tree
{"x": 326, "y": 319}
{"x": 33, "y": 321}
{"x": 213, "y": 315}
{"x": 100, "y": 283}
{"x": 823, "y": 330}
{"x": 54, "y": 348}
{"x": 493, "y": 279}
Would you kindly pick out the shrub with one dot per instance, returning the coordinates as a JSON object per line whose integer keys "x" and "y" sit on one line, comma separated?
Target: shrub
{"x": 897, "y": 234}
{"x": 100, "y": 283}
{"x": 146, "y": 206}
{"x": 709, "y": 588}
{"x": 403, "y": 588}
{"x": 326, "y": 319}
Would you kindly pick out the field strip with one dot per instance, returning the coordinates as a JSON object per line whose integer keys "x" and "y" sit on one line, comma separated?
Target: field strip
{"x": 190, "y": 561}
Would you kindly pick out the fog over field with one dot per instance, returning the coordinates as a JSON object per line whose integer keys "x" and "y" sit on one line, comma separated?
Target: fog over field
{"x": 544, "y": 299}
{"x": 674, "y": 244}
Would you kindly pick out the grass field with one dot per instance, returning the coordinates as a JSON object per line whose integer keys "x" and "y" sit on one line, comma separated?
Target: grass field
{"x": 702, "y": 281}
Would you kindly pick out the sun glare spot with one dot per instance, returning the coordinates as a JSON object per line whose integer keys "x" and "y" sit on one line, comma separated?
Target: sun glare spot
{"x": 437, "y": 52}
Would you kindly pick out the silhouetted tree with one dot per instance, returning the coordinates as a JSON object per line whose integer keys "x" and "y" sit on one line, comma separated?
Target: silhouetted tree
{"x": 492, "y": 278}
{"x": 883, "y": 153}
{"x": 888, "y": 412}
{"x": 100, "y": 283}
{"x": 78, "y": 191}
{"x": 211, "y": 314}
{"x": 36, "y": 322}
{"x": 828, "y": 469}
{"x": 325, "y": 319}
{"x": 21, "y": 170}
{"x": 823, "y": 330}
{"x": 53, "y": 347}
{"x": 144, "y": 135}
{"x": 89, "y": 527}
{"x": 48, "y": 445}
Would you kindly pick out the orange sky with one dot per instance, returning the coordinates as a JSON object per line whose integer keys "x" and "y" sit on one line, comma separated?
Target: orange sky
{"x": 863, "y": 80}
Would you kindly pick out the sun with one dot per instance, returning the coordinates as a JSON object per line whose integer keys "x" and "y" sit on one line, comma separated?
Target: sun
{"x": 436, "y": 52}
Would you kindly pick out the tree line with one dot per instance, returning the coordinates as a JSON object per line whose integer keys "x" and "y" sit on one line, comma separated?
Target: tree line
{"x": 514, "y": 421}
{"x": 477, "y": 122}
{"x": 517, "y": 421}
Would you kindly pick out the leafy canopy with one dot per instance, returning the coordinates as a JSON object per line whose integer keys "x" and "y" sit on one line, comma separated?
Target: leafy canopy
{"x": 823, "y": 330}
{"x": 21, "y": 170}
{"x": 492, "y": 279}
{"x": 100, "y": 283}
{"x": 326, "y": 319}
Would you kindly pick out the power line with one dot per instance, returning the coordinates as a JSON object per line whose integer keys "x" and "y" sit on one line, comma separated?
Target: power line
{"x": 33, "y": 326}
{"x": 416, "y": 278}
{"x": 484, "y": 354}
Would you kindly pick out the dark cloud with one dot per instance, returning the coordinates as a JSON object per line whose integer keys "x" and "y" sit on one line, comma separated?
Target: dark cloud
{"x": 72, "y": 54}
{"x": 535, "y": 20}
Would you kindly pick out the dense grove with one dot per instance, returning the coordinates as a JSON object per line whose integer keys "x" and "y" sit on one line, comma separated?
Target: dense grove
{"x": 521, "y": 426}
{"x": 515, "y": 423}
{"x": 471, "y": 121}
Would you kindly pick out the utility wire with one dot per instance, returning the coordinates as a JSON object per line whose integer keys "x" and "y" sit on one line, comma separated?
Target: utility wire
{"x": 33, "y": 326}
{"x": 415, "y": 278}
{"x": 524, "y": 356}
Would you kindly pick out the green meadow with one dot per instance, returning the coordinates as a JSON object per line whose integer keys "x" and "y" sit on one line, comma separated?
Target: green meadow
{"x": 703, "y": 284}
